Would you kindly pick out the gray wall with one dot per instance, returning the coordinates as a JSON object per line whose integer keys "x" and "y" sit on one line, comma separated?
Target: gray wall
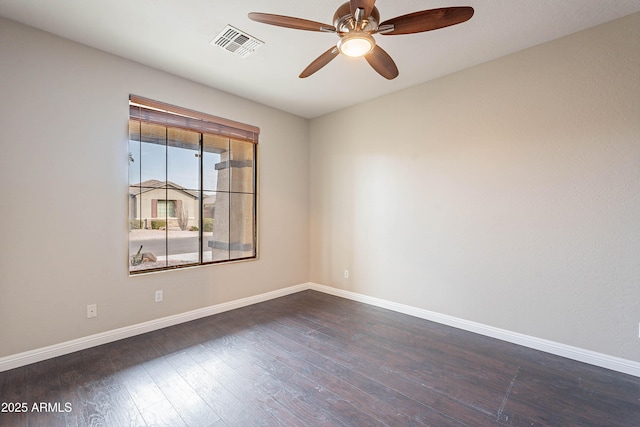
{"x": 63, "y": 180}
{"x": 507, "y": 194}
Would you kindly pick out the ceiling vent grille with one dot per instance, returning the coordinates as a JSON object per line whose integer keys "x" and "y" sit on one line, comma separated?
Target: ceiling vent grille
{"x": 237, "y": 42}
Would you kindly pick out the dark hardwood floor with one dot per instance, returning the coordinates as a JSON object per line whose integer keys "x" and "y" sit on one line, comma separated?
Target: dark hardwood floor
{"x": 311, "y": 359}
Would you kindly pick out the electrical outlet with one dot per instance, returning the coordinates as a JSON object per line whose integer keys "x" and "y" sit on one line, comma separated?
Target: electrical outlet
{"x": 92, "y": 310}
{"x": 158, "y": 296}
{"x": 346, "y": 274}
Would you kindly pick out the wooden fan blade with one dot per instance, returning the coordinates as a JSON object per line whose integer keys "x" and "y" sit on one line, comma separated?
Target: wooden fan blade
{"x": 320, "y": 62}
{"x": 290, "y": 22}
{"x": 382, "y": 63}
{"x": 366, "y": 5}
{"x": 427, "y": 20}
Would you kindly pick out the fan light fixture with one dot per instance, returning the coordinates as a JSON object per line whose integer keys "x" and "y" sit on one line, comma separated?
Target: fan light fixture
{"x": 356, "y": 44}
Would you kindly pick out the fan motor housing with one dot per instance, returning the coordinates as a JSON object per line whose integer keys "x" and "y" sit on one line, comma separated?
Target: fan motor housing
{"x": 344, "y": 21}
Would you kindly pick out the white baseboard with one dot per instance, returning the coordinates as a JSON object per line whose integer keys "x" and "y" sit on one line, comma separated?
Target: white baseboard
{"x": 574, "y": 353}
{"x": 37, "y": 355}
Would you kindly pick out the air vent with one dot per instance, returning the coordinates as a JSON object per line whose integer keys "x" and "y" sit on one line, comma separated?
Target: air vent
{"x": 237, "y": 42}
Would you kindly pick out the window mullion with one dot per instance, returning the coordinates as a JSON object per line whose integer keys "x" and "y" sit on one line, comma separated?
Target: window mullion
{"x": 230, "y": 199}
{"x": 166, "y": 195}
{"x": 201, "y": 203}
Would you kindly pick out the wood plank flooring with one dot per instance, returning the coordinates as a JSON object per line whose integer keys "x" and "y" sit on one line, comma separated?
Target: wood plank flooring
{"x": 311, "y": 359}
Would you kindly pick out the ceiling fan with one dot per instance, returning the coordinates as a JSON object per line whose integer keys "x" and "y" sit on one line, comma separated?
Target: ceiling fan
{"x": 356, "y": 21}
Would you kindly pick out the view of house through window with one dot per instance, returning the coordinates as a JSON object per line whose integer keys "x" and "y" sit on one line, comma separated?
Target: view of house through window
{"x": 192, "y": 188}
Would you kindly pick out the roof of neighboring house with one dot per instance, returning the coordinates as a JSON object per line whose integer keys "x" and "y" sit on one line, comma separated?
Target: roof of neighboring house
{"x": 154, "y": 184}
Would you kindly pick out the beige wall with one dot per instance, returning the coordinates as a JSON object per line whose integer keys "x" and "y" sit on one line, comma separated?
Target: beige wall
{"x": 507, "y": 194}
{"x": 63, "y": 137}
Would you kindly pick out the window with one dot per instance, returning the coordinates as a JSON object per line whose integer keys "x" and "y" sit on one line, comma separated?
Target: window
{"x": 165, "y": 208}
{"x": 192, "y": 188}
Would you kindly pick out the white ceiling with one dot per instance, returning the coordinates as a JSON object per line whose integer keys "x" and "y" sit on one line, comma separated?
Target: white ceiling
{"x": 175, "y": 36}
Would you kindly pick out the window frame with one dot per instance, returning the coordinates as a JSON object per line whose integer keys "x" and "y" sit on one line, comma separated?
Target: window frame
{"x": 145, "y": 110}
